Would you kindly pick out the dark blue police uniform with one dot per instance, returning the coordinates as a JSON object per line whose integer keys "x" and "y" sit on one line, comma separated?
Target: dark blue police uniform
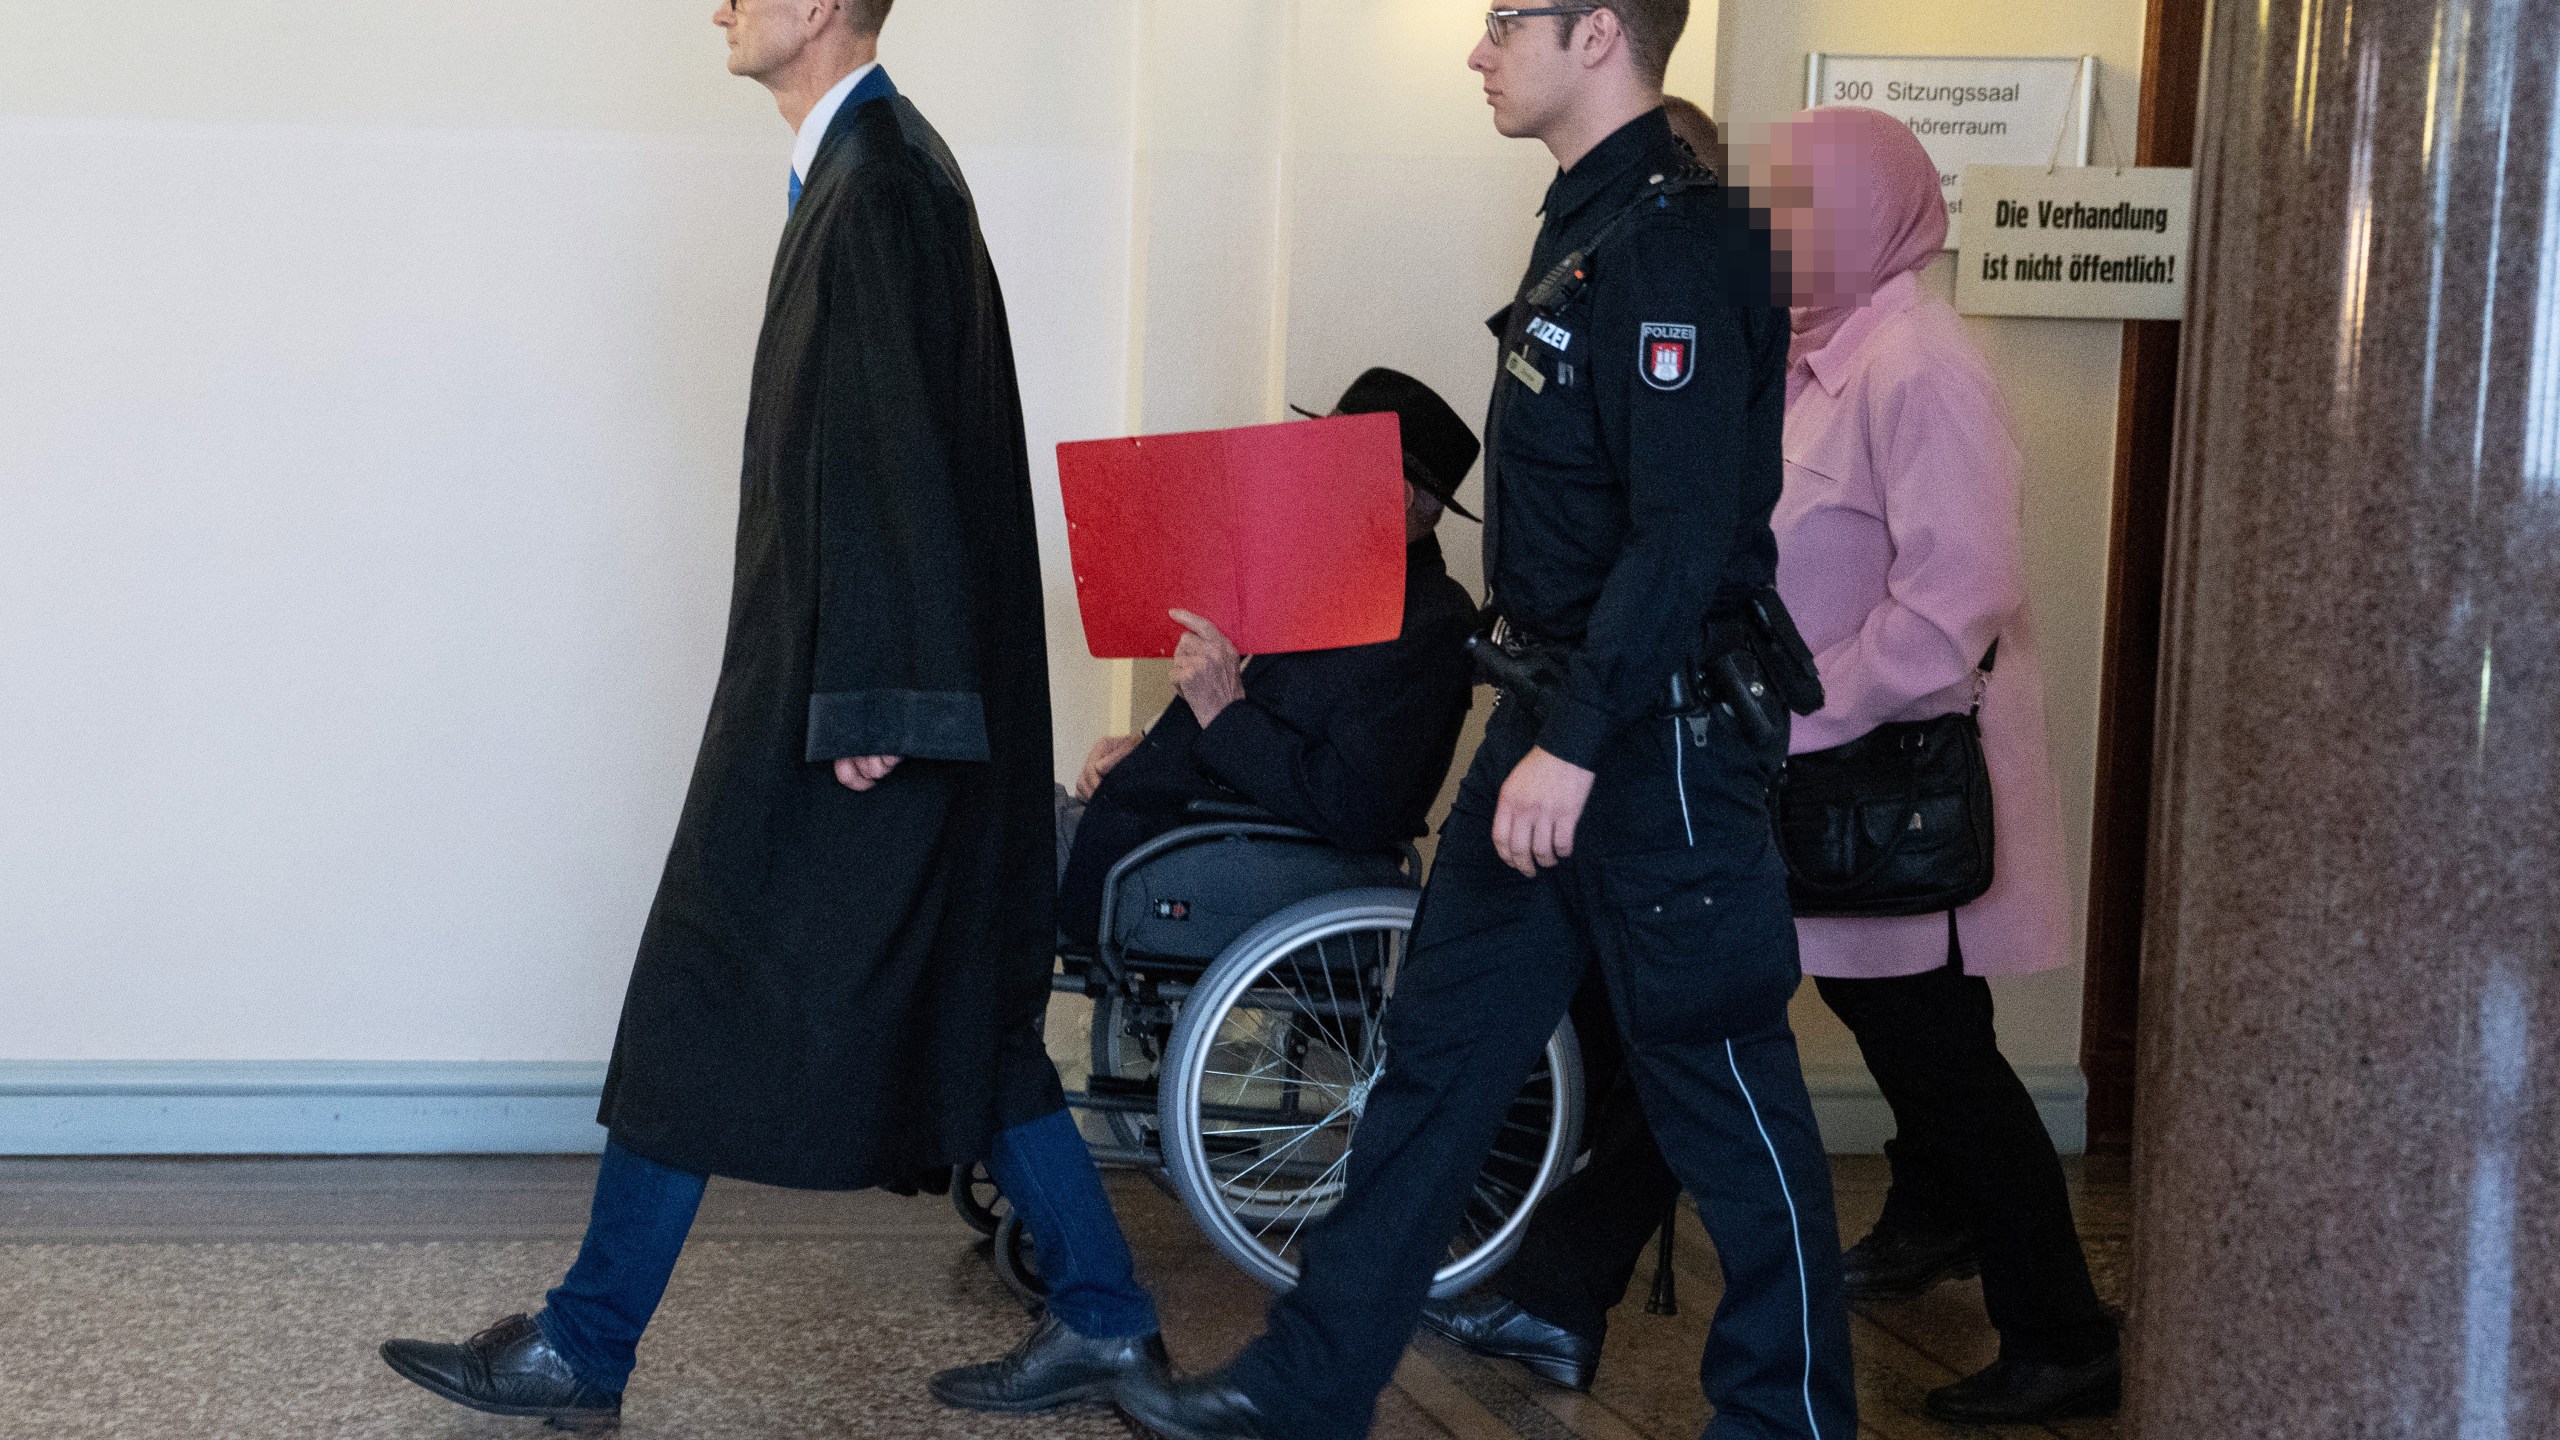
{"x": 1633, "y": 461}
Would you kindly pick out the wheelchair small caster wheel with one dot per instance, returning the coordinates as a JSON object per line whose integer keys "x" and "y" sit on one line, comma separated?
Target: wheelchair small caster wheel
{"x": 1017, "y": 1263}
{"x": 975, "y": 1196}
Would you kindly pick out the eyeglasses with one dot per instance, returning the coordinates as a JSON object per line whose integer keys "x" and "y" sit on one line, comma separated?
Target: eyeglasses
{"x": 1497, "y": 23}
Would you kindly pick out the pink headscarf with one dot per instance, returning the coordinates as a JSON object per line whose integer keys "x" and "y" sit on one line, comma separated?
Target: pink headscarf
{"x": 1877, "y": 213}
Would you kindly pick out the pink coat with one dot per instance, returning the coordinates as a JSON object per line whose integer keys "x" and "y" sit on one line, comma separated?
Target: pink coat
{"x": 1898, "y": 551}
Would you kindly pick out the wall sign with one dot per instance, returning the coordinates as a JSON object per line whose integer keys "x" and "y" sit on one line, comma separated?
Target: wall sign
{"x": 1969, "y": 110}
{"x": 2089, "y": 244}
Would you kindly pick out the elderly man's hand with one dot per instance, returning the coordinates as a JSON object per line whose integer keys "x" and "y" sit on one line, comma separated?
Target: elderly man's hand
{"x": 1207, "y": 671}
{"x": 1108, "y": 752}
{"x": 865, "y": 771}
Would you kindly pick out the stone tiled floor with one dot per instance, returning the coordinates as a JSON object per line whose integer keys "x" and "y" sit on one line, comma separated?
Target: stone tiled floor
{"x": 148, "y": 1299}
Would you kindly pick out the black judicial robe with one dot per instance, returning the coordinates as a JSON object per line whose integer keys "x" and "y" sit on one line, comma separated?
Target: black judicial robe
{"x": 836, "y": 989}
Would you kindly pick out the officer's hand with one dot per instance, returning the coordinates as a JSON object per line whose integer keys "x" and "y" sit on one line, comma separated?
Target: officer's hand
{"x": 1541, "y": 804}
{"x": 1207, "y": 671}
{"x": 865, "y": 771}
{"x": 1108, "y": 752}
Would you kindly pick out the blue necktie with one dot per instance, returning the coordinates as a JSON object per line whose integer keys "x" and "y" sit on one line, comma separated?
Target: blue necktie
{"x": 795, "y": 194}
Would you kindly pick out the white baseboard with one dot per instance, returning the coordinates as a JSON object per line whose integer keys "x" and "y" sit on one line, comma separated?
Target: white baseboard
{"x": 323, "y": 1107}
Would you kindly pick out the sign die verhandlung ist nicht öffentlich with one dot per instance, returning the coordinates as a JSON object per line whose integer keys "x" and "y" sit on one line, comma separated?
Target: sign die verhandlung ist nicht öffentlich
{"x": 2091, "y": 244}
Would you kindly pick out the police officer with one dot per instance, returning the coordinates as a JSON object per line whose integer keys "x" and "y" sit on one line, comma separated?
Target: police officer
{"x": 1615, "y": 815}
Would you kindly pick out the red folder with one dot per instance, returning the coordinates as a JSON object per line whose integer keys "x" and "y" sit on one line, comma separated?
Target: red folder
{"x": 1286, "y": 537}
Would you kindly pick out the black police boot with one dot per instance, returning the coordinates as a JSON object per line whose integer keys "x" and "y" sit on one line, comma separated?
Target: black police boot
{"x": 1204, "y": 1407}
{"x": 2030, "y": 1392}
{"x": 1491, "y": 1326}
{"x": 1052, "y": 1366}
{"x": 507, "y": 1369}
{"x": 1899, "y": 1264}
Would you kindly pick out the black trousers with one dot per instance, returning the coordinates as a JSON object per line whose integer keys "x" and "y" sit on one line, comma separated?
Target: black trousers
{"x": 1675, "y": 897}
{"x": 1969, "y": 1154}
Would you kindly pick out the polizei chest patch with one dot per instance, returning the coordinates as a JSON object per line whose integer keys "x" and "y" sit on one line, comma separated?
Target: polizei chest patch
{"x": 1666, "y": 355}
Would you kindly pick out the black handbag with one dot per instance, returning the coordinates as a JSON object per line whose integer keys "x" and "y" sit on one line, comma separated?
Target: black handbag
{"x": 1896, "y": 822}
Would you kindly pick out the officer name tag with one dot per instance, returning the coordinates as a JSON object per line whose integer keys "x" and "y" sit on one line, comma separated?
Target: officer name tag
{"x": 1555, "y": 336}
{"x": 1524, "y": 372}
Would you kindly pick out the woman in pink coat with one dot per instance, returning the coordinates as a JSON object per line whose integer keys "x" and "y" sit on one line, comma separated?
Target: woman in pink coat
{"x": 1898, "y": 546}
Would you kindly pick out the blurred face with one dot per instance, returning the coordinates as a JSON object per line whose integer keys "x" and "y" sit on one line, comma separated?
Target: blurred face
{"x": 1821, "y": 244}
{"x": 1529, "y": 79}
{"x": 765, "y": 35}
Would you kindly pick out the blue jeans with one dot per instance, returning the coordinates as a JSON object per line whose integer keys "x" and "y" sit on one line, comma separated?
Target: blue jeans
{"x": 643, "y": 1209}
{"x": 635, "y": 1231}
{"x": 1049, "y": 1177}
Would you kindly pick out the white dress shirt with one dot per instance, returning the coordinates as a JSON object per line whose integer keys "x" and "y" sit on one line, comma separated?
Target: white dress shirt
{"x": 813, "y": 130}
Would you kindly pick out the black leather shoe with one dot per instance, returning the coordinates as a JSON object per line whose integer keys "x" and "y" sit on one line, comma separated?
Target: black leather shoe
{"x": 1052, "y": 1366}
{"x": 1902, "y": 1264}
{"x": 1489, "y": 1325}
{"x": 1204, "y": 1407}
{"x": 507, "y": 1369}
{"x": 2029, "y": 1392}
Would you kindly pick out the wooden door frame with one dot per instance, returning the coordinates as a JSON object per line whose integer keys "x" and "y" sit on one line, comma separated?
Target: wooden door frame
{"x": 2129, "y": 684}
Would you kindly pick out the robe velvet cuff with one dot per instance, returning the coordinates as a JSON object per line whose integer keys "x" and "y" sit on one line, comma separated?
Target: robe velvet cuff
{"x": 910, "y": 724}
{"x": 1575, "y": 732}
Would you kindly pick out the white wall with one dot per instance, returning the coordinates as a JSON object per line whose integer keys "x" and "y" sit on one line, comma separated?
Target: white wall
{"x": 2059, "y": 377}
{"x": 369, "y": 408}
{"x": 370, "y": 405}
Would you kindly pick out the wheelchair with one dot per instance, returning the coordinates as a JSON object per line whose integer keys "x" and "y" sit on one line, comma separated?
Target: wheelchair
{"x": 1239, "y": 982}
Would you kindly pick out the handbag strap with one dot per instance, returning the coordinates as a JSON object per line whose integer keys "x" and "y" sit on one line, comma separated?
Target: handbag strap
{"x": 1982, "y": 677}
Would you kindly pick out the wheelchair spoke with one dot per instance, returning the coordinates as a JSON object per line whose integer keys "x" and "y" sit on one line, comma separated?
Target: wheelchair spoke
{"x": 1298, "y": 1202}
{"x": 1229, "y": 1182}
{"x": 1337, "y": 1090}
{"x": 1311, "y": 1132}
{"x": 1306, "y": 1213}
{"x": 1337, "y": 1167}
{"x": 1261, "y": 1036}
{"x": 1333, "y": 996}
{"x": 1266, "y": 1072}
{"x": 1302, "y": 992}
{"x": 1369, "y": 1011}
{"x": 1257, "y": 1129}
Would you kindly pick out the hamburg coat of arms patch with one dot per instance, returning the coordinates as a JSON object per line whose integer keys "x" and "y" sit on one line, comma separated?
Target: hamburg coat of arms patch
{"x": 1666, "y": 355}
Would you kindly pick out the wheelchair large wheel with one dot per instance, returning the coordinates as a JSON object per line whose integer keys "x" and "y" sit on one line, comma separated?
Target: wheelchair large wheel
{"x": 1271, "y": 1063}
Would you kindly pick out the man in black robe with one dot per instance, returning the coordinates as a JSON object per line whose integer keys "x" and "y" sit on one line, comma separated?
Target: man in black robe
{"x": 1351, "y": 744}
{"x": 839, "y": 981}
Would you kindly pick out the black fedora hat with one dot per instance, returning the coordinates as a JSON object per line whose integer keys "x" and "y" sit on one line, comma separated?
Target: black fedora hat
{"x": 1439, "y": 449}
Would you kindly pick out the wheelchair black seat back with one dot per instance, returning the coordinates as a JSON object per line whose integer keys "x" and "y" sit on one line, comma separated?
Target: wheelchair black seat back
{"x": 1191, "y": 899}
{"x": 1240, "y": 985}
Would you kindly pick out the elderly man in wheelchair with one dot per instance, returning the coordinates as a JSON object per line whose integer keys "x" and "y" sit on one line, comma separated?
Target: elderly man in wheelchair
{"x": 1236, "y": 886}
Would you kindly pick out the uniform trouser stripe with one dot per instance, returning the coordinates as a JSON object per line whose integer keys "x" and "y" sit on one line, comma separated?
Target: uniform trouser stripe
{"x": 1804, "y": 1284}
{"x": 1680, "y": 782}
